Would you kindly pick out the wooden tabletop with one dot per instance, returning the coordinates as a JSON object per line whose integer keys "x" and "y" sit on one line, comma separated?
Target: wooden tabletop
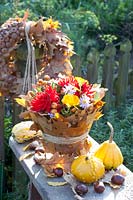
{"x": 39, "y": 179}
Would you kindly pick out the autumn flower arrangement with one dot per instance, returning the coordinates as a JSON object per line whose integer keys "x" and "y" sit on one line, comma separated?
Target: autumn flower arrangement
{"x": 64, "y": 107}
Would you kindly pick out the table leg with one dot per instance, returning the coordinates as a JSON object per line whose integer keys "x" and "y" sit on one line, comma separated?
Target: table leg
{"x": 33, "y": 193}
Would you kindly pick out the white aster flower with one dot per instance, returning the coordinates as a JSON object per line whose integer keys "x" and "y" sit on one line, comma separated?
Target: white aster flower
{"x": 85, "y": 101}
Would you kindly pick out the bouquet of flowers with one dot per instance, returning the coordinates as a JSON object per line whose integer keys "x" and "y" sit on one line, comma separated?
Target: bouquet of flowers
{"x": 64, "y": 109}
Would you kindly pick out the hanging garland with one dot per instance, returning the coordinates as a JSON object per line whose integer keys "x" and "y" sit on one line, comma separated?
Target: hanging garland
{"x": 50, "y": 45}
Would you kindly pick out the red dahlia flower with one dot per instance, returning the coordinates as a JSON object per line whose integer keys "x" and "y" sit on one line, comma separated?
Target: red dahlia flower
{"x": 86, "y": 89}
{"x": 68, "y": 80}
{"x": 43, "y": 100}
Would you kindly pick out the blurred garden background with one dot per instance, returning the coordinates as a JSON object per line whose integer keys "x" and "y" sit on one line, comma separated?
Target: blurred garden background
{"x": 102, "y": 32}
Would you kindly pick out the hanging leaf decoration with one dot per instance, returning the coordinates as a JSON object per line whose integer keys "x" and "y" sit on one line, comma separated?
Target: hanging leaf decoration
{"x": 57, "y": 49}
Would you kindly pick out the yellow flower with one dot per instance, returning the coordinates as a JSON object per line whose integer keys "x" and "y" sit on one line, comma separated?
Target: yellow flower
{"x": 21, "y": 101}
{"x": 81, "y": 80}
{"x": 57, "y": 115}
{"x": 70, "y": 100}
{"x": 50, "y": 24}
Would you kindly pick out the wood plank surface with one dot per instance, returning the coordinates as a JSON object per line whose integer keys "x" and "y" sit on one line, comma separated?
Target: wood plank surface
{"x": 39, "y": 179}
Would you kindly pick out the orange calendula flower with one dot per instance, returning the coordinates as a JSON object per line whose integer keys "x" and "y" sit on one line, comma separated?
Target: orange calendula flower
{"x": 99, "y": 104}
{"x": 70, "y": 100}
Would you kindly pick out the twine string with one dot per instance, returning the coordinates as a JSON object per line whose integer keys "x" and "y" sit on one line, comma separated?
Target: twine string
{"x": 64, "y": 140}
{"x": 31, "y": 69}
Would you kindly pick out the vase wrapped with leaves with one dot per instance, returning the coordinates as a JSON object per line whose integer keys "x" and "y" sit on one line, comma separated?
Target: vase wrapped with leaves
{"x": 64, "y": 109}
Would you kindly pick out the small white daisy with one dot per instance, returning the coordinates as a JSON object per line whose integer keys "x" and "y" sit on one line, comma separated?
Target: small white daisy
{"x": 85, "y": 102}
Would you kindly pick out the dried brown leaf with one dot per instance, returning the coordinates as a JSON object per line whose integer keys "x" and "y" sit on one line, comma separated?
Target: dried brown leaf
{"x": 57, "y": 160}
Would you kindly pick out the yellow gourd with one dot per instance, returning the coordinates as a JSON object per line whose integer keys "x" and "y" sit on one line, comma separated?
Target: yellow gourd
{"x": 87, "y": 169}
{"x": 109, "y": 152}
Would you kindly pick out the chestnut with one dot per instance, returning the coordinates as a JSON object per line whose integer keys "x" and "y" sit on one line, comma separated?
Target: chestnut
{"x": 117, "y": 179}
{"x": 99, "y": 187}
{"x": 34, "y": 145}
{"x": 39, "y": 149}
{"x": 81, "y": 189}
{"x": 58, "y": 171}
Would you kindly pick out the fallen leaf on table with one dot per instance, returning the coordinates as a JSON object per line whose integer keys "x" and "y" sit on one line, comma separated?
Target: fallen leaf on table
{"x": 27, "y": 155}
{"x": 114, "y": 186}
{"x": 56, "y": 183}
{"x": 25, "y": 148}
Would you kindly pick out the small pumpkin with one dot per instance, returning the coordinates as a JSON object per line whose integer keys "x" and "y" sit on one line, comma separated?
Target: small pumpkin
{"x": 109, "y": 152}
{"x": 87, "y": 169}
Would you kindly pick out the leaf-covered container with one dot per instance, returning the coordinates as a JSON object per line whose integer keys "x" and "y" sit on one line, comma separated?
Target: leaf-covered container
{"x": 64, "y": 109}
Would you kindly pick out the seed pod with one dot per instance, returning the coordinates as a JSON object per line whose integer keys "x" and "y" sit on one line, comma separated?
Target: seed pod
{"x": 4, "y": 50}
{"x": 14, "y": 36}
{"x": 6, "y": 55}
{"x": 2, "y": 45}
{"x": 20, "y": 24}
{"x": 22, "y": 34}
{"x": 21, "y": 29}
{"x": 14, "y": 23}
{"x": 8, "y": 44}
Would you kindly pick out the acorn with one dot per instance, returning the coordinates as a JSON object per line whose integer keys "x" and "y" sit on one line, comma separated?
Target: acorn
{"x": 99, "y": 187}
